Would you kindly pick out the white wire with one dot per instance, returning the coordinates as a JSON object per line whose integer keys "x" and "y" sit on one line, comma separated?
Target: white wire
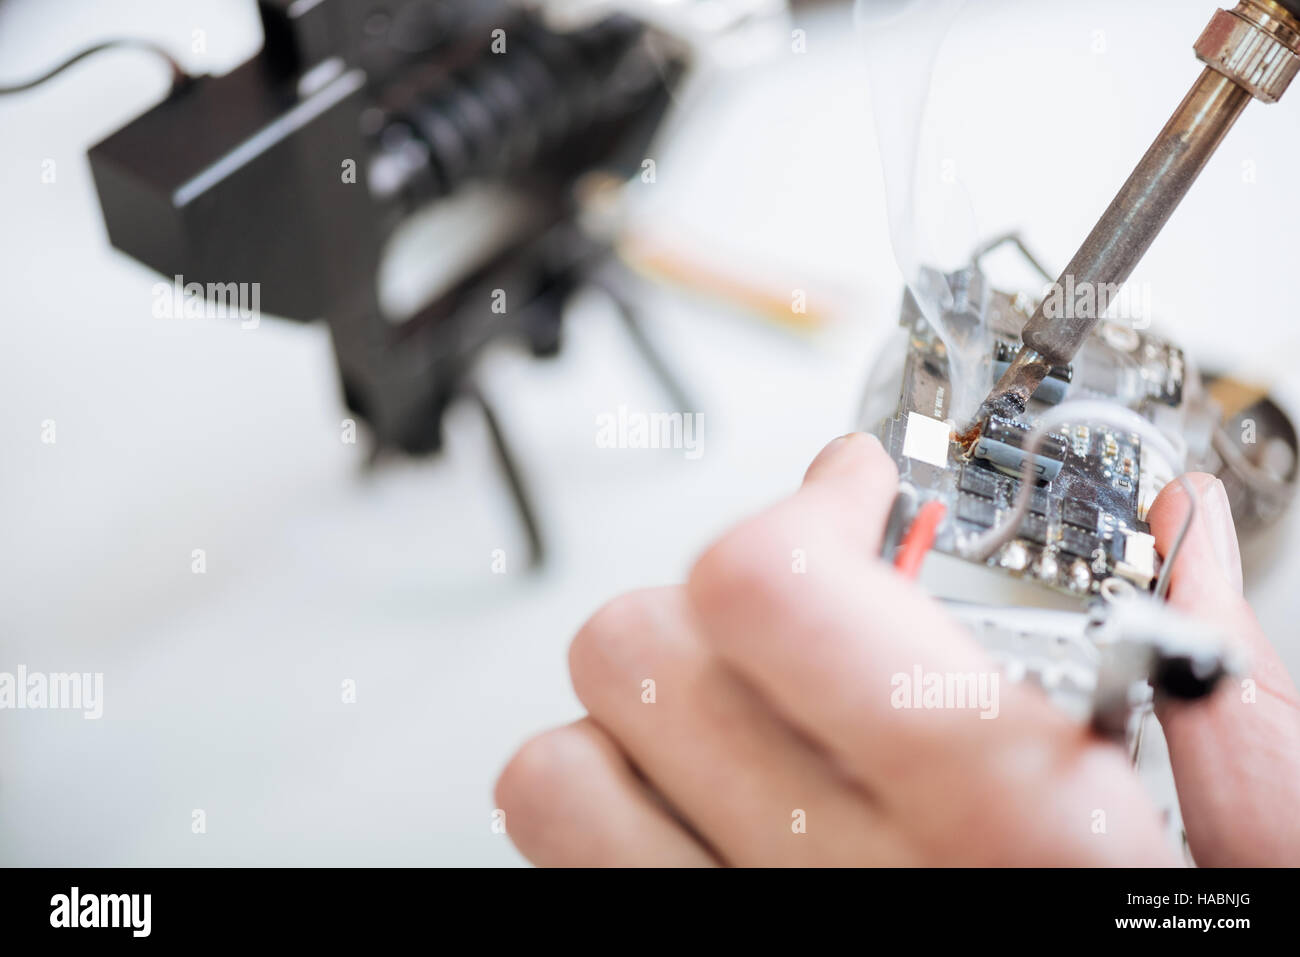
{"x": 1081, "y": 411}
{"x": 1167, "y": 569}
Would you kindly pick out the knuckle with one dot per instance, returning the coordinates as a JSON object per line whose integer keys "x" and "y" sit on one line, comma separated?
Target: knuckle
{"x": 746, "y": 565}
{"x": 603, "y": 645}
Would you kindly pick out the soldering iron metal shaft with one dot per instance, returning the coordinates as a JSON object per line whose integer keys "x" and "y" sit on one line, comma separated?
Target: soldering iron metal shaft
{"x": 1251, "y": 52}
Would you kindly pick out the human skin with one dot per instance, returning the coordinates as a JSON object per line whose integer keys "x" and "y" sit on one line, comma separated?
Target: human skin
{"x": 772, "y": 708}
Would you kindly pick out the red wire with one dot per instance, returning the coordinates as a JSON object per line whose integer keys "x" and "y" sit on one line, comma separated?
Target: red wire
{"x": 919, "y": 538}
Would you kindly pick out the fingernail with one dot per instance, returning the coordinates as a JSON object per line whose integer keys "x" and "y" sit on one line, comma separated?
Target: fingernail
{"x": 835, "y": 446}
{"x": 1223, "y": 533}
{"x": 828, "y": 455}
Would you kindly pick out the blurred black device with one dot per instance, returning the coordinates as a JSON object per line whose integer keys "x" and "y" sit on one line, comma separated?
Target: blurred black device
{"x": 294, "y": 169}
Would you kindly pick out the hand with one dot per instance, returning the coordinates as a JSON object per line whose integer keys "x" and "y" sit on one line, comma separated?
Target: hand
{"x": 747, "y": 718}
{"x": 1236, "y": 757}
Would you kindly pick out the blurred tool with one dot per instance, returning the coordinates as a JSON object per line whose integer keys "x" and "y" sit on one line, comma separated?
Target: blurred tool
{"x": 753, "y": 286}
{"x": 490, "y": 119}
{"x": 1101, "y": 664}
{"x": 1142, "y": 643}
{"x": 296, "y": 171}
{"x": 1252, "y": 51}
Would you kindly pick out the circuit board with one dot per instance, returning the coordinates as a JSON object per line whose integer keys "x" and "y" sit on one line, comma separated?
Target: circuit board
{"x": 1086, "y": 518}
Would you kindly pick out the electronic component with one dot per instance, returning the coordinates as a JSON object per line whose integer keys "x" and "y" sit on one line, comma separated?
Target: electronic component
{"x": 979, "y": 511}
{"x": 1034, "y": 529}
{"x": 1096, "y": 480}
{"x": 978, "y": 481}
{"x": 1053, "y": 389}
{"x": 1139, "y": 561}
{"x": 1080, "y": 575}
{"x": 1039, "y": 499}
{"x": 1077, "y": 542}
{"x": 1083, "y": 514}
{"x": 927, "y": 439}
{"x": 1001, "y": 443}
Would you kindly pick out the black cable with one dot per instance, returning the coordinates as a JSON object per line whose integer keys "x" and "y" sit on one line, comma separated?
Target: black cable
{"x": 179, "y": 76}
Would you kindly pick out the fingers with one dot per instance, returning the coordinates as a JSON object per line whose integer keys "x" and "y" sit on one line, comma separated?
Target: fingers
{"x": 1209, "y": 560}
{"x": 1226, "y": 752}
{"x": 1206, "y": 579}
{"x": 850, "y": 456}
{"x": 742, "y": 777}
{"x": 843, "y": 647}
{"x": 850, "y": 488}
{"x": 825, "y": 636}
{"x": 572, "y": 800}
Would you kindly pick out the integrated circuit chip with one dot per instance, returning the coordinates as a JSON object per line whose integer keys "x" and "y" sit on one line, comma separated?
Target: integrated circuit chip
{"x": 978, "y": 481}
{"x": 979, "y": 511}
{"x": 1033, "y": 529}
{"x": 1077, "y": 542}
{"x": 1082, "y": 514}
{"x": 1039, "y": 499}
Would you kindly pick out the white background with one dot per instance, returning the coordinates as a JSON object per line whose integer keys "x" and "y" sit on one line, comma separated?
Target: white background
{"x": 223, "y": 690}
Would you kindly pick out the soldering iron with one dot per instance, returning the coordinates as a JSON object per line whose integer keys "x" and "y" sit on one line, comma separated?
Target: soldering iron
{"x": 1249, "y": 52}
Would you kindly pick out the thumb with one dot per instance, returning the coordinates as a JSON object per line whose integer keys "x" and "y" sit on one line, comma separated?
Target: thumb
{"x": 1205, "y": 580}
{"x": 1228, "y": 752}
{"x": 850, "y": 487}
{"x": 1206, "y": 573}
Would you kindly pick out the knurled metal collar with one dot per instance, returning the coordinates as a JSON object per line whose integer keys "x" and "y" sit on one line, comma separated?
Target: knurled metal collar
{"x": 1256, "y": 45}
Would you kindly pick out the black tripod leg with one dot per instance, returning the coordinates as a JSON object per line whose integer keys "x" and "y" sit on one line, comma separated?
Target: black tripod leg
{"x": 646, "y": 349}
{"x": 518, "y": 490}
